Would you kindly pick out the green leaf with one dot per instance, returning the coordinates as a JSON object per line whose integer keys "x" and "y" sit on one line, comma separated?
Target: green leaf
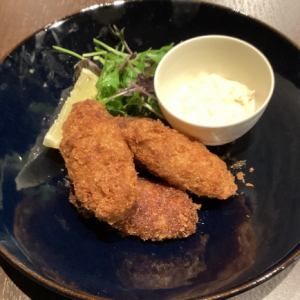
{"x": 109, "y": 81}
{"x": 115, "y": 106}
{"x": 157, "y": 54}
{"x": 128, "y": 76}
{"x": 124, "y": 85}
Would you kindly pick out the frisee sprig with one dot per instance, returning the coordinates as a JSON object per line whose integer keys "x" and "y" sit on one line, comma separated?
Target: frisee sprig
{"x": 125, "y": 84}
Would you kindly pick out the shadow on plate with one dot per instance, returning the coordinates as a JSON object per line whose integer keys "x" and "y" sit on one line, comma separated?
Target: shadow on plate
{"x": 88, "y": 255}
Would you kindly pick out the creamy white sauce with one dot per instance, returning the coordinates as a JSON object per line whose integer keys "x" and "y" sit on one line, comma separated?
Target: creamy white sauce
{"x": 210, "y": 99}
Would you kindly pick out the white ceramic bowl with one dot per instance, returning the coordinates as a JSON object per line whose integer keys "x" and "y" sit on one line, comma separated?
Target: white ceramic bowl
{"x": 226, "y": 56}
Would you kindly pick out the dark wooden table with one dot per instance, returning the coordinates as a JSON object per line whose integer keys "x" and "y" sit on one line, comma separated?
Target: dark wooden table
{"x": 20, "y": 18}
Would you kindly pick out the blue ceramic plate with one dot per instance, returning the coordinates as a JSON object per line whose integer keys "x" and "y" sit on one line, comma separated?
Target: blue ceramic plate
{"x": 238, "y": 244}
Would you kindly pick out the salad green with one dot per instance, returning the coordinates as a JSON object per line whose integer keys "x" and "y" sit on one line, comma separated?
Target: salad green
{"x": 125, "y": 84}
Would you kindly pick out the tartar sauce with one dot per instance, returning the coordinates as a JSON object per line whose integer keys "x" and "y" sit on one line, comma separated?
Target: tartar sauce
{"x": 212, "y": 100}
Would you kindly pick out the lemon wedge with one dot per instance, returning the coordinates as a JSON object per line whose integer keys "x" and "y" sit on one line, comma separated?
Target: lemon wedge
{"x": 84, "y": 88}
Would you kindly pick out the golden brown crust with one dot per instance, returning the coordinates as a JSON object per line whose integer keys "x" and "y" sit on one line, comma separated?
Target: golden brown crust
{"x": 180, "y": 161}
{"x": 161, "y": 212}
{"x": 99, "y": 162}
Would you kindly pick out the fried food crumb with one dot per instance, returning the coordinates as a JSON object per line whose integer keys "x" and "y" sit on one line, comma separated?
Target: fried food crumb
{"x": 248, "y": 184}
{"x": 238, "y": 164}
{"x": 241, "y": 176}
{"x": 251, "y": 170}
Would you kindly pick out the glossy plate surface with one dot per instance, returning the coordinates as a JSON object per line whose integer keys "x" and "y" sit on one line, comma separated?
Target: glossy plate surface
{"x": 238, "y": 244}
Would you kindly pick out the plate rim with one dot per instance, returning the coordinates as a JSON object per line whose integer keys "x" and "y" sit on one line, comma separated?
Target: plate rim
{"x": 50, "y": 284}
{"x": 112, "y": 2}
{"x": 291, "y": 257}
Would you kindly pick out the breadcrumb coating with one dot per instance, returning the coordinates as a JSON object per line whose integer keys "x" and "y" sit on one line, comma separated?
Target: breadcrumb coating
{"x": 99, "y": 162}
{"x": 161, "y": 212}
{"x": 182, "y": 162}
